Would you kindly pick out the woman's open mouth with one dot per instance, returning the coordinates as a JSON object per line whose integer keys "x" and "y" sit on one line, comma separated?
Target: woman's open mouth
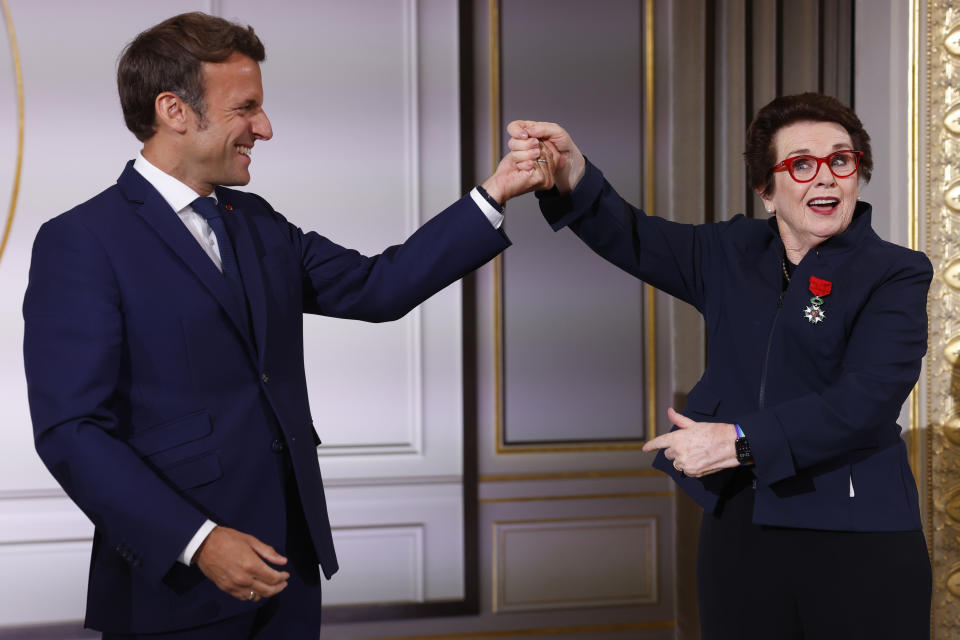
{"x": 824, "y": 206}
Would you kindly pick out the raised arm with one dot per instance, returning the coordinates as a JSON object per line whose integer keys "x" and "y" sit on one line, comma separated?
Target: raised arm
{"x": 343, "y": 283}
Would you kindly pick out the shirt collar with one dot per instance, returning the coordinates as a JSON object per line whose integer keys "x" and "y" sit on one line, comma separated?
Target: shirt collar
{"x": 177, "y": 194}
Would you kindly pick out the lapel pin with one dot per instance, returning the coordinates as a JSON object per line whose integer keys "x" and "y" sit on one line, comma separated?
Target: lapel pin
{"x": 228, "y": 207}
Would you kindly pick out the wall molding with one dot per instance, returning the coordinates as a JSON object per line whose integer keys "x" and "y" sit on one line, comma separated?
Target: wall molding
{"x": 502, "y": 444}
{"x": 413, "y": 438}
{"x": 575, "y": 541}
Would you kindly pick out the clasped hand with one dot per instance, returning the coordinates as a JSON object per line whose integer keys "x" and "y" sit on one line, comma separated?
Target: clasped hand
{"x": 697, "y": 448}
{"x": 542, "y": 155}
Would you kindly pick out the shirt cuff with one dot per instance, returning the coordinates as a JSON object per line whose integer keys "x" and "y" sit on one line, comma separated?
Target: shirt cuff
{"x": 494, "y": 216}
{"x": 187, "y": 556}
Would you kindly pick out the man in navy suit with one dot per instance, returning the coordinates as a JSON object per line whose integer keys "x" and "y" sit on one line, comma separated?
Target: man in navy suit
{"x": 164, "y": 350}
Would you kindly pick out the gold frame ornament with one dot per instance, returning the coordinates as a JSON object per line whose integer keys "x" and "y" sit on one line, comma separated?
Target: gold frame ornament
{"x": 18, "y": 75}
{"x": 935, "y": 156}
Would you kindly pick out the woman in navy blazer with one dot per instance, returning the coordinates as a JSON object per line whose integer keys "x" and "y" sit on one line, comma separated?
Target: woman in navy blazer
{"x": 816, "y": 330}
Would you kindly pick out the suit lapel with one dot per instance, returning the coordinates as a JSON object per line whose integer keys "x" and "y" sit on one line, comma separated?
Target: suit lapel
{"x": 250, "y": 269}
{"x": 154, "y": 210}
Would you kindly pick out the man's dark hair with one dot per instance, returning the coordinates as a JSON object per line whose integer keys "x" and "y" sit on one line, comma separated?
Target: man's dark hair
{"x": 170, "y": 57}
{"x": 760, "y": 155}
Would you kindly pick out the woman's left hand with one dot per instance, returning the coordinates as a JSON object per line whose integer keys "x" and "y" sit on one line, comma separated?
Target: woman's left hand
{"x": 697, "y": 449}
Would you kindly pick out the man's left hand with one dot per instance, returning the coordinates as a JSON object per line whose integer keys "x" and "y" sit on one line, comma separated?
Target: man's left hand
{"x": 237, "y": 563}
{"x": 697, "y": 448}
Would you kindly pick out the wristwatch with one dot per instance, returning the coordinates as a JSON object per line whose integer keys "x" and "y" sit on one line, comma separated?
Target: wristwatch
{"x": 489, "y": 198}
{"x": 744, "y": 455}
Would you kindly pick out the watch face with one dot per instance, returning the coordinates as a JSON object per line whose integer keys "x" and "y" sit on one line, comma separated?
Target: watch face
{"x": 744, "y": 455}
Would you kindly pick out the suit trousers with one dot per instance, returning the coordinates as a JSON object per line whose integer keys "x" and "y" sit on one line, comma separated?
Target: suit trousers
{"x": 762, "y": 582}
{"x": 292, "y": 614}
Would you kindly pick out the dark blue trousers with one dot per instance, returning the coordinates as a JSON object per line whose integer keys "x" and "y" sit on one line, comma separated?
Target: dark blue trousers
{"x": 759, "y": 583}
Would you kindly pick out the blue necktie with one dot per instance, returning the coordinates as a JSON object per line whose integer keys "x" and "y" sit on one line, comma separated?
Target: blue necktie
{"x": 207, "y": 207}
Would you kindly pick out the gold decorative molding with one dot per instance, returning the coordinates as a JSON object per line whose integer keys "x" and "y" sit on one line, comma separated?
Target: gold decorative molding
{"x": 544, "y": 631}
{"x": 650, "y": 335}
{"x": 649, "y": 204}
{"x": 501, "y": 527}
{"x": 571, "y": 475}
{"x": 583, "y": 496}
{"x": 935, "y": 58}
{"x": 18, "y": 74}
{"x": 495, "y": 81}
{"x": 913, "y": 206}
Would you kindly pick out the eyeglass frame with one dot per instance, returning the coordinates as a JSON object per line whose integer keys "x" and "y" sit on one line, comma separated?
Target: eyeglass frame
{"x": 787, "y": 164}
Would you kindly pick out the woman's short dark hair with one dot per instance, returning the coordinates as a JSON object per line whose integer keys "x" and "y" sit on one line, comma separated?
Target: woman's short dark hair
{"x": 170, "y": 57}
{"x": 760, "y": 155}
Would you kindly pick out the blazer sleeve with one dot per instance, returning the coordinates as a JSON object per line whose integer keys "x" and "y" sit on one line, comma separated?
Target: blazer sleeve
{"x": 662, "y": 253}
{"x": 880, "y": 366}
{"x": 73, "y": 356}
{"x": 342, "y": 283}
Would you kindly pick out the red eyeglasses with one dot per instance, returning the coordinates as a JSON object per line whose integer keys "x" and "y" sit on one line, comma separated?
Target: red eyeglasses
{"x": 842, "y": 164}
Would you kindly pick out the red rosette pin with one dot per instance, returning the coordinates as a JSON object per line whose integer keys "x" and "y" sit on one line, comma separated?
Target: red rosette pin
{"x": 819, "y": 288}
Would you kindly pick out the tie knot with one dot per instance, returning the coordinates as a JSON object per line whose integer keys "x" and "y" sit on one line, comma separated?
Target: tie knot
{"x": 207, "y": 207}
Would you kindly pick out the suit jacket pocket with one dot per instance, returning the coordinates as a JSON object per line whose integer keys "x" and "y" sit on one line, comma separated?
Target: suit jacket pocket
{"x": 194, "y": 472}
{"x": 171, "y": 434}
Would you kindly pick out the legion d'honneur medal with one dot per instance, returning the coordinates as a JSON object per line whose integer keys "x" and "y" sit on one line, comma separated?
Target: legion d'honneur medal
{"x": 819, "y": 287}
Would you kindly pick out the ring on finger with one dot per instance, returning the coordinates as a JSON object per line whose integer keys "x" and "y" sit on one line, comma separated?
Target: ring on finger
{"x": 252, "y": 596}
{"x": 541, "y": 160}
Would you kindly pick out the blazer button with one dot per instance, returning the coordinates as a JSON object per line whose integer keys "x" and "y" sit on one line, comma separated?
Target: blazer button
{"x": 265, "y": 377}
{"x": 277, "y": 446}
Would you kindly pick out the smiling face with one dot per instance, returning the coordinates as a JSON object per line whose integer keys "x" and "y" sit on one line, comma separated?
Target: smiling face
{"x": 215, "y": 150}
{"x": 810, "y": 212}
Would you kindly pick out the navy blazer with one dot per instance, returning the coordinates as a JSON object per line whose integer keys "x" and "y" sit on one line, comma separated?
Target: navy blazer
{"x": 154, "y": 406}
{"x": 818, "y": 402}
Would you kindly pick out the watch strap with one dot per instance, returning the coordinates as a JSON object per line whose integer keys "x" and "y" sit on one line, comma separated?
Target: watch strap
{"x": 493, "y": 203}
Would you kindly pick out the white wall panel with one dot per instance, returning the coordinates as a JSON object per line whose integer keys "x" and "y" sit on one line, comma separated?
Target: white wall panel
{"x": 364, "y": 101}
{"x": 340, "y": 86}
{"x": 45, "y": 542}
{"x": 59, "y": 597}
{"x": 393, "y": 554}
{"x": 41, "y": 517}
{"x": 435, "y": 509}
